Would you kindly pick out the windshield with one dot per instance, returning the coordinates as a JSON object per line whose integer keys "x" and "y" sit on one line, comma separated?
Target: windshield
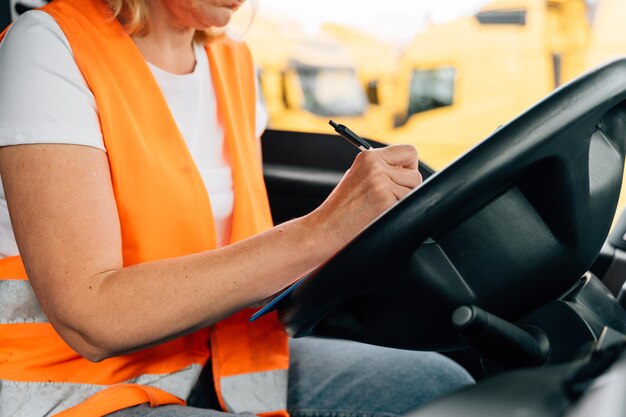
{"x": 431, "y": 89}
{"x": 332, "y": 91}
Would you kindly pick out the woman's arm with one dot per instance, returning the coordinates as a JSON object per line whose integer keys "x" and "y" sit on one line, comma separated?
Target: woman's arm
{"x": 67, "y": 228}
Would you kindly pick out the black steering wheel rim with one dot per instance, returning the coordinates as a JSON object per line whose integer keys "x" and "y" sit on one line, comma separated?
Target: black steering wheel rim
{"x": 553, "y": 174}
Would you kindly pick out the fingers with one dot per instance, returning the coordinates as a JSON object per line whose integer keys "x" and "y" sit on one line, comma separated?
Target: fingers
{"x": 398, "y": 155}
{"x": 406, "y": 177}
{"x": 399, "y": 191}
{"x": 392, "y": 169}
{"x": 404, "y": 181}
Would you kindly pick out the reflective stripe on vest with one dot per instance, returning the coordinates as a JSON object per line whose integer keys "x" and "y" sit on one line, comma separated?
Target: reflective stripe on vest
{"x": 164, "y": 212}
{"x": 257, "y": 392}
{"x": 265, "y": 391}
{"x": 45, "y": 398}
{"x": 18, "y": 303}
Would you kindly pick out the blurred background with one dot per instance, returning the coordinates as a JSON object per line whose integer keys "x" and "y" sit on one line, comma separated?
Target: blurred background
{"x": 438, "y": 74}
{"x": 441, "y": 75}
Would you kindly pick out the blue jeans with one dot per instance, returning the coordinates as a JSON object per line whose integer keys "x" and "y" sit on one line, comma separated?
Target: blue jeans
{"x": 336, "y": 378}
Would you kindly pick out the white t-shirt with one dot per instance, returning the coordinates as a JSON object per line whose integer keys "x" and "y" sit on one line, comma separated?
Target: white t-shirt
{"x": 45, "y": 99}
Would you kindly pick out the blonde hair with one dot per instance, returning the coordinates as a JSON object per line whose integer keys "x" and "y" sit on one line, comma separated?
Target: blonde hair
{"x": 135, "y": 17}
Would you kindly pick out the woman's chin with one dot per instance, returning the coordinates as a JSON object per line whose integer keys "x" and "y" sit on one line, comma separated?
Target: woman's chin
{"x": 217, "y": 19}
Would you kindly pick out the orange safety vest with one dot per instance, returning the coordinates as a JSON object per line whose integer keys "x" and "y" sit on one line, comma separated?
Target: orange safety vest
{"x": 164, "y": 212}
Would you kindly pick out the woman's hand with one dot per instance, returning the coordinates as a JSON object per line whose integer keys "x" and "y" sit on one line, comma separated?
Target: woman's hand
{"x": 377, "y": 179}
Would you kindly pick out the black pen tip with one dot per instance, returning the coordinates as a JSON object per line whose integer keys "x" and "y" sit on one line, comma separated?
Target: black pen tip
{"x": 333, "y": 124}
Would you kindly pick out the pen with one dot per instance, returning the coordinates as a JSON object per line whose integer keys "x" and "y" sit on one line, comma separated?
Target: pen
{"x": 350, "y": 136}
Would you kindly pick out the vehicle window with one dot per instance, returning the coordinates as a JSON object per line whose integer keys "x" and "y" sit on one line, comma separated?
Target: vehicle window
{"x": 332, "y": 91}
{"x": 431, "y": 89}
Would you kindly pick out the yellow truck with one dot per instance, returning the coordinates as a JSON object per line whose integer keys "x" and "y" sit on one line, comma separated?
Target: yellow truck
{"x": 307, "y": 80}
{"x": 460, "y": 80}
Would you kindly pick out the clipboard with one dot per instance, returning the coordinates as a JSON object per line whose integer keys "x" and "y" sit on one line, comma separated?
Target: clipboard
{"x": 273, "y": 305}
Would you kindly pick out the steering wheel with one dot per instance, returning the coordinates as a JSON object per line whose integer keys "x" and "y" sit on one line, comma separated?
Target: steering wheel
{"x": 509, "y": 226}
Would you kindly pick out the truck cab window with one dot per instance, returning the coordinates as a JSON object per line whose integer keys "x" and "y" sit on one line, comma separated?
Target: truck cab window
{"x": 332, "y": 91}
{"x": 431, "y": 89}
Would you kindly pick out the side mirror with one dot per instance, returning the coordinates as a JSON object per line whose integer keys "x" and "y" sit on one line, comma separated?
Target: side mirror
{"x": 400, "y": 119}
{"x": 293, "y": 97}
{"x": 372, "y": 91}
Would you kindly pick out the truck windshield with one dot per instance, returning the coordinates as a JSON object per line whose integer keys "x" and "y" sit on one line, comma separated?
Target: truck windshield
{"x": 332, "y": 91}
{"x": 431, "y": 89}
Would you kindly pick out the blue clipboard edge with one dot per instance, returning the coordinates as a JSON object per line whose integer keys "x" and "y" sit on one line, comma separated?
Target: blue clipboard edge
{"x": 273, "y": 305}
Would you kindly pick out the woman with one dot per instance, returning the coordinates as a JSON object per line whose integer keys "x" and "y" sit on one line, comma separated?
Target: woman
{"x": 131, "y": 171}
